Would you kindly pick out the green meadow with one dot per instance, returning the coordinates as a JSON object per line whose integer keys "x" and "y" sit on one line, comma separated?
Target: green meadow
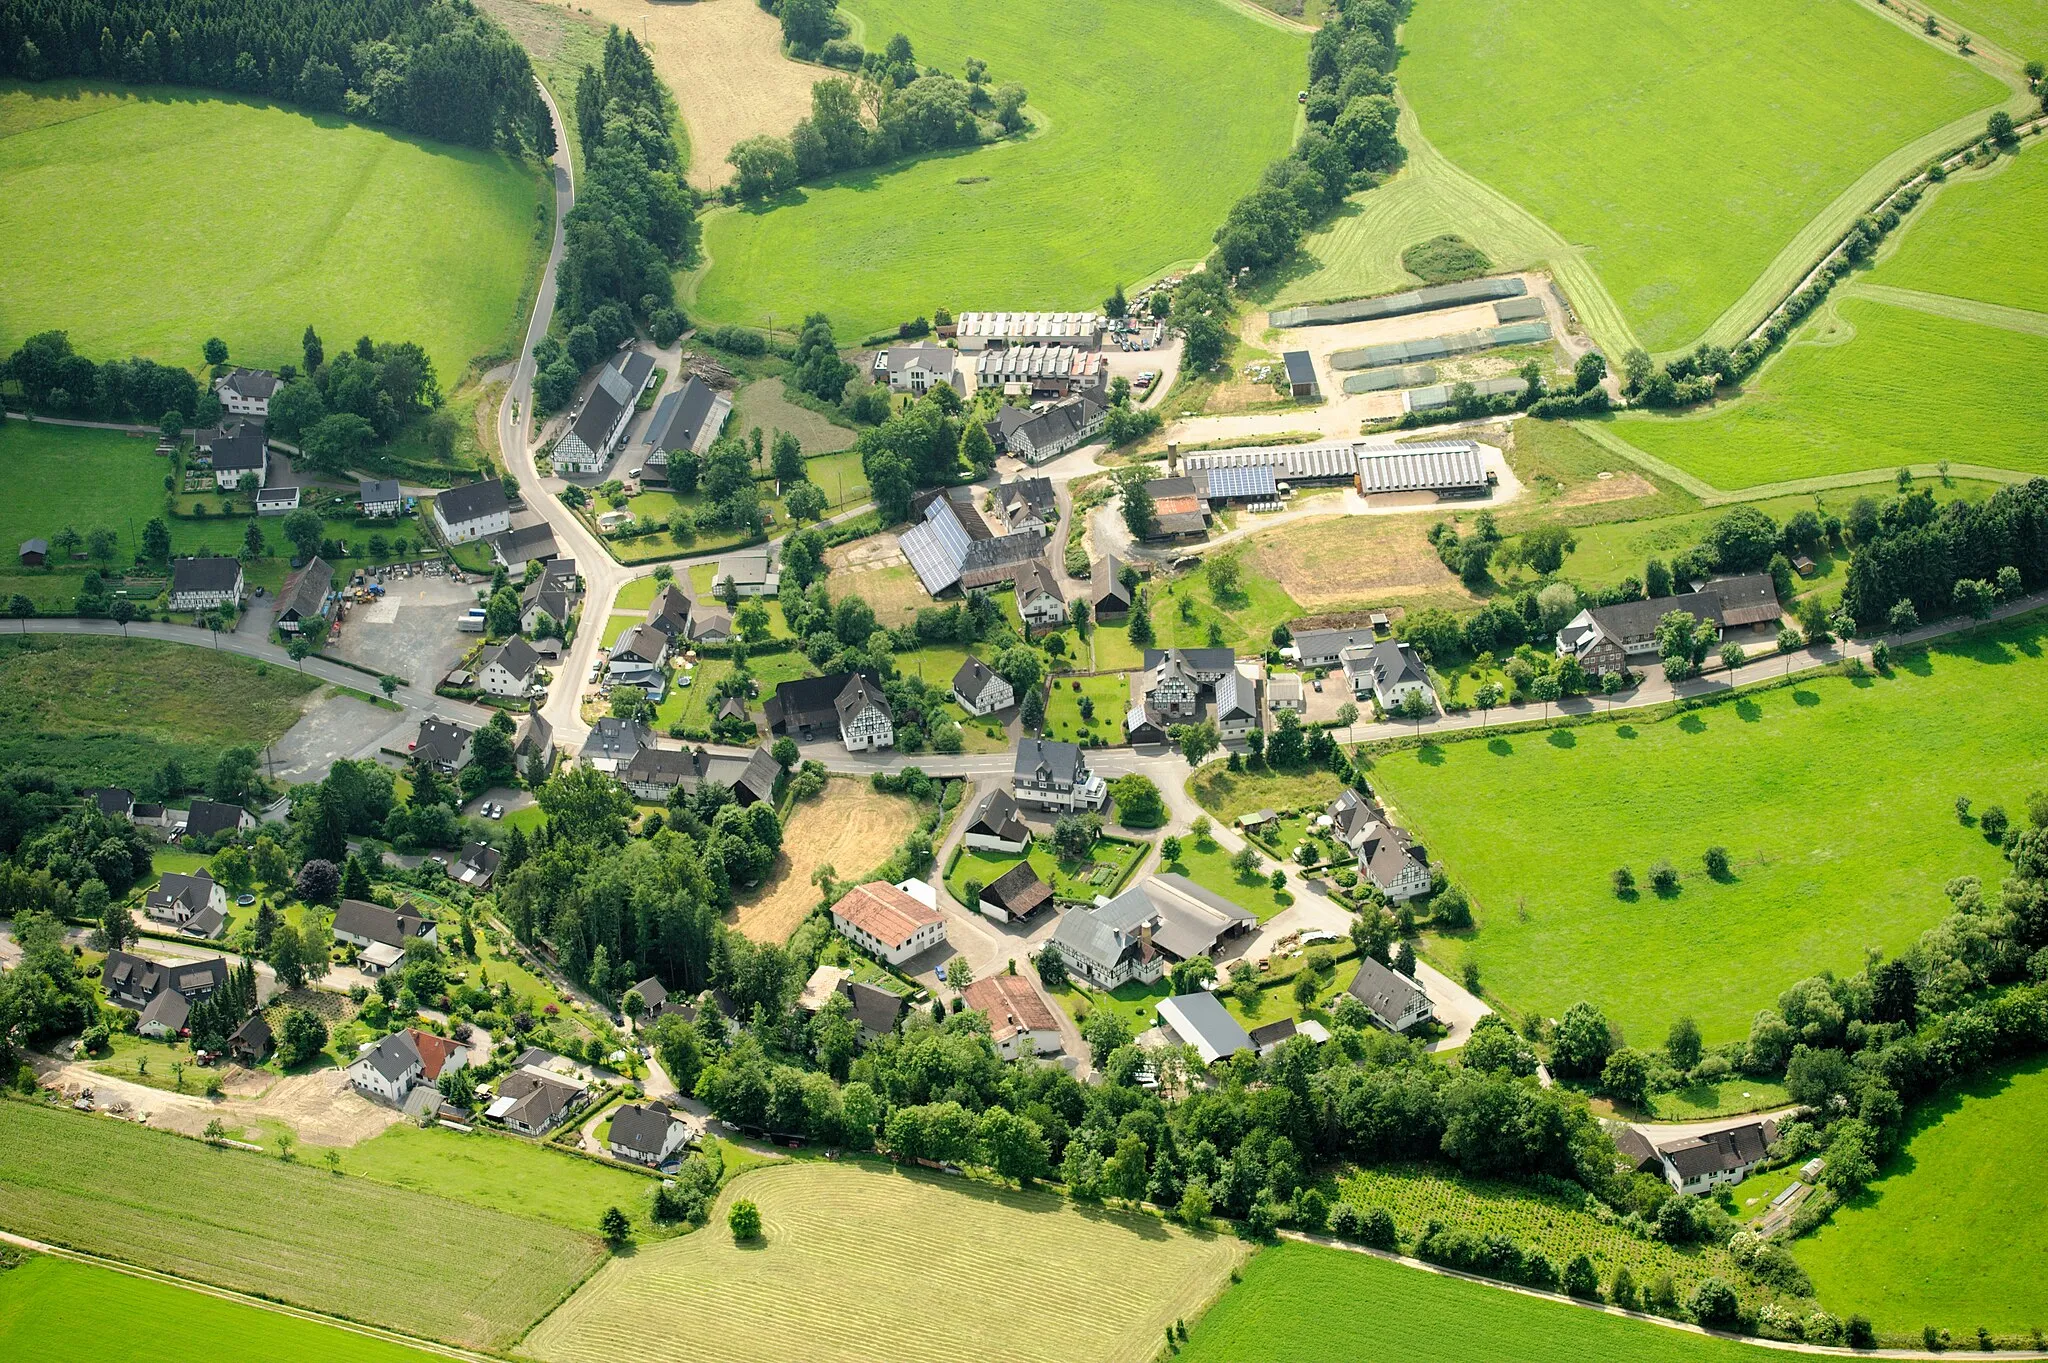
{"x": 1833, "y": 797}
{"x": 1979, "y": 237}
{"x": 1152, "y": 117}
{"x": 1949, "y": 1234}
{"x": 144, "y": 221}
{"x": 1683, "y": 147}
{"x": 2018, "y": 26}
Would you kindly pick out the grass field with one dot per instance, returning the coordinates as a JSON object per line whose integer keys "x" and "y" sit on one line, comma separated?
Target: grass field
{"x": 1976, "y": 237}
{"x": 1109, "y": 694}
{"x": 1208, "y": 865}
{"x": 1612, "y": 106}
{"x": 1946, "y": 1236}
{"x": 342, "y": 1245}
{"x": 2018, "y": 26}
{"x": 851, "y": 827}
{"x": 765, "y": 403}
{"x": 1012, "y": 1276}
{"x": 1153, "y": 116}
{"x": 313, "y": 220}
{"x": 1287, "y": 1310}
{"x": 1867, "y": 386}
{"x": 1833, "y": 798}
{"x": 1350, "y": 562}
{"x": 1228, "y": 795}
{"x": 1062, "y": 873}
{"x": 57, "y": 1311}
{"x": 109, "y": 711}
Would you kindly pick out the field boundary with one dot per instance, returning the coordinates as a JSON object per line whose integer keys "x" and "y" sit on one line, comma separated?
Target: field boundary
{"x": 1998, "y": 315}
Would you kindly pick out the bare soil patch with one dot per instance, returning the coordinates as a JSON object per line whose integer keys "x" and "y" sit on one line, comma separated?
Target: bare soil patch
{"x": 1348, "y": 562}
{"x": 1621, "y": 487}
{"x": 723, "y": 59}
{"x": 851, "y": 828}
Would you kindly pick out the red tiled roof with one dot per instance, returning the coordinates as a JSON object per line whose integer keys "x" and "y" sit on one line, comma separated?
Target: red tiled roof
{"x": 884, "y": 912}
{"x": 1013, "y": 1005}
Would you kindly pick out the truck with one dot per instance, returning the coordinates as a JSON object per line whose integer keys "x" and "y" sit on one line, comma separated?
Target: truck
{"x": 471, "y": 621}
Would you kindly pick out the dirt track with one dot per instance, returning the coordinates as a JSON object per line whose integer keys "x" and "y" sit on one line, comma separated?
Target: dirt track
{"x": 319, "y": 1107}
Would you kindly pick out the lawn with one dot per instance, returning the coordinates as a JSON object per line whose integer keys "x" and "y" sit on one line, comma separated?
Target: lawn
{"x": 1135, "y": 1002}
{"x": 2018, "y": 26}
{"x": 58, "y": 1311}
{"x": 1070, "y": 879}
{"x": 302, "y": 1235}
{"x": 1833, "y": 798}
{"x": 1282, "y": 1312}
{"x": 1228, "y": 795}
{"x": 1613, "y": 104}
{"x": 59, "y": 476}
{"x": 828, "y": 1282}
{"x": 1110, "y": 695}
{"x": 1866, "y": 385}
{"x": 131, "y": 269}
{"x": 1948, "y": 1235}
{"x": 1152, "y": 116}
{"x": 109, "y": 711}
{"x": 1208, "y": 865}
{"x": 1245, "y": 620}
{"x": 692, "y": 705}
{"x": 1976, "y": 238}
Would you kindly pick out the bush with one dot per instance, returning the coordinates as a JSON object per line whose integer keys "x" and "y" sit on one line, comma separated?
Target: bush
{"x": 1664, "y": 878}
{"x": 1859, "y": 1334}
{"x": 1452, "y": 909}
{"x": 1713, "y": 1303}
{"x": 1376, "y": 1228}
{"x": 744, "y": 1219}
{"x": 1344, "y": 1223}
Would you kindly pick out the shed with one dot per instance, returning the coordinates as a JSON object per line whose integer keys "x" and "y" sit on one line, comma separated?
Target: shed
{"x": 1301, "y": 373}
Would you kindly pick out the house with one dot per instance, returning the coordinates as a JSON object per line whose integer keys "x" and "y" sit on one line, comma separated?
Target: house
{"x": 866, "y": 722}
{"x": 444, "y": 743}
{"x": 1181, "y": 509}
{"x": 1715, "y": 1159}
{"x": 996, "y": 825}
{"x": 1137, "y": 935}
{"x": 605, "y": 412}
{"x": 403, "y": 1061}
{"x": 34, "y": 553}
{"x": 239, "y": 454}
{"x": 876, "y": 1010}
{"x": 1107, "y": 590}
{"x": 669, "y": 613}
{"x": 710, "y": 626}
{"x": 246, "y": 392}
{"x": 1053, "y": 775}
{"x": 652, "y": 994}
{"x": 164, "y": 1016}
{"x": 378, "y": 959}
{"x": 523, "y": 542}
{"x": 176, "y": 899}
{"x": 1450, "y": 468}
{"x": 1014, "y": 895}
{"x": 1301, "y": 373}
{"x": 636, "y": 657}
{"x": 1200, "y": 1020}
{"x": 657, "y": 773}
{"x": 688, "y": 419}
{"x": 887, "y": 922}
{"x": 646, "y": 1134}
{"x": 1274, "y": 1035}
{"x": 533, "y": 738}
{"x": 1055, "y": 430}
{"x": 1398, "y": 867}
{"x": 1636, "y": 1152}
{"x": 1284, "y": 691}
{"x": 1397, "y": 1002}
{"x": 995, "y": 330}
{"x": 1028, "y": 504}
{"x": 847, "y": 703}
{"x": 1176, "y": 680}
{"x": 472, "y": 511}
{"x": 1606, "y": 639}
{"x": 918, "y": 368}
{"x": 477, "y": 867}
{"x": 252, "y": 1042}
{"x": 210, "y": 819}
{"x": 510, "y": 669}
{"x": 535, "y": 1104}
{"x": 751, "y": 574}
{"x": 1041, "y": 371}
{"x": 113, "y": 801}
{"x": 362, "y": 925}
{"x": 1039, "y": 600}
{"x": 545, "y": 596}
{"x": 1237, "y": 705}
{"x": 304, "y": 597}
{"x": 202, "y": 584}
{"x": 1019, "y": 1019}
{"x": 654, "y": 773}
{"x": 1389, "y": 672}
{"x": 131, "y": 981}
{"x": 613, "y": 742}
{"x": 980, "y": 691}
{"x": 151, "y": 816}
{"x": 1325, "y": 647}
{"x": 380, "y": 498}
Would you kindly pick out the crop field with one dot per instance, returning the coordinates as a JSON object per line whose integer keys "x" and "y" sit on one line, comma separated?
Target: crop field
{"x": 1283, "y": 1313}
{"x": 852, "y": 828}
{"x": 312, "y": 219}
{"x": 1867, "y": 386}
{"x": 1012, "y": 1276}
{"x": 1613, "y": 105}
{"x": 1833, "y": 798}
{"x": 1947, "y": 1235}
{"x": 1978, "y": 237}
{"x": 343, "y": 1245}
{"x": 1349, "y": 562}
{"x": 58, "y": 1311}
{"x": 1152, "y": 117}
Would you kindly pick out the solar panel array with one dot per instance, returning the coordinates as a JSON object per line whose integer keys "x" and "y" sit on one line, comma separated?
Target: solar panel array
{"x": 937, "y": 548}
{"x": 1241, "y": 482}
{"x": 1420, "y": 468}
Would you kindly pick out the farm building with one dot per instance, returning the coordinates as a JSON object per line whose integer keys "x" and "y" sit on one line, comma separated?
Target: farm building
{"x": 34, "y": 553}
{"x": 1240, "y": 483}
{"x": 304, "y": 595}
{"x": 1200, "y": 1020}
{"x": 1439, "y": 347}
{"x": 849, "y": 704}
{"x": 1450, "y": 468}
{"x": 1106, "y": 588}
{"x": 1180, "y": 509}
{"x": 1015, "y": 895}
{"x": 1301, "y": 373}
{"x": 1431, "y": 299}
{"x": 1325, "y": 464}
{"x": 1437, "y": 396}
{"x": 1040, "y": 371}
{"x": 952, "y": 546}
{"x": 1042, "y": 435}
{"x": 998, "y": 330}
{"x": 604, "y": 415}
{"x": 1604, "y": 639}
{"x": 1323, "y": 647}
{"x": 688, "y": 419}
{"x": 473, "y": 511}
{"x": 1135, "y": 936}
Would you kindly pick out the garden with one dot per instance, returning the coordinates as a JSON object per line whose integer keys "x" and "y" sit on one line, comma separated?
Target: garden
{"x": 1075, "y": 880}
{"x": 1088, "y": 710}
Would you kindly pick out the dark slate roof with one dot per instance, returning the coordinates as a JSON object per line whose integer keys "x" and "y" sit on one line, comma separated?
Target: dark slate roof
{"x": 169, "y": 1009}
{"x": 642, "y": 642}
{"x": 204, "y": 575}
{"x": 250, "y": 383}
{"x": 992, "y": 560}
{"x": 681, "y": 417}
{"x": 206, "y": 818}
{"x": 113, "y": 800}
{"x": 1018, "y": 891}
{"x": 811, "y": 702}
{"x": 1635, "y": 1147}
{"x": 373, "y": 490}
{"x": 1395, "y": 663}
{"x": 669, "y": 767}
{"x": 972, "y": 678}
{"x": 1044, "y": 759}
{"x": 360, "y": 918}
{"x": 1383, "y": 989}
{"x": 472, "y": 501}
{"x": 1036, "y": 494}
{"x": 618, "y": 385}
{"x": 1061, "y": 421}
{"x": 1328, "y": 643}
{"x": 669, "y": 612}
{"x": 253, "y": 1033}
{"x": 857, "y": 696}
{"x": 643, "y": 1130}
{"x": 392, "y": 1056}
{"x": 1751, "y": 599}
{"x": 1300, "y": 367}
{"x": 1638, "y": 619}
{"x": 1272, "y": 1034}
{"x": 612, "y": 737}
{"x": 875, "y": 1008}
{"x": 998, "y": 816}
{"x": 305, "y": 593}
{"x": 1194, "y": 659}
{"x": 35, "y": 546}
{"x": 515, "y": 655}
{"x": 1109, "y": 592}
{"x": 652, "y": 992}
{"x": 1035, "y": 577}
{"x": 482, "y": 856}
{"x": 441, "y": 740}
{"x": 1717, "y": 1151}
{"x": 523, "y": 542}
{"x": 236, "y": 446}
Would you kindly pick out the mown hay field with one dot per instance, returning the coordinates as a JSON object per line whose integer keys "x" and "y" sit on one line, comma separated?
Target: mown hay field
{"x": 2018, "y": 26}
{"x": 124, "y": 231}
{"x": 1684, "y": 147}
{"x": 58, "y": 1311}
{"x": 852, "y": 828}
{"x": 1153, "y": 117}
{"x": 858, "y": 1263}
{"x": 1949, "y": 1234}
{"x": 1979, "y": 237}
{"x": 1308, "y": 1304}
{"x": 347, "y": 1246}
{"x": 1833, "y": 797}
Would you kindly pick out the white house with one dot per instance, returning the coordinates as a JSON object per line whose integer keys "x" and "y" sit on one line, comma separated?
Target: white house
{"x": 980, "y": 691}
{"x": 1039, "y": 601}
{"x": 239, "y": 453}
{"x": 390, "y": 1070}
{"x": 1019, "y": 1019}
{"x": 1397, "y": 1002}
{"x": 605, "y": 413}
{"x": 997, "y": 825}
{"x": 444, "y": 743}
{"x": 177, "y": 899}
{"x": 866, "y": 722}
{"x": 510, "y": 669}
{"x": 1396, "y": 865}
{"x": 918, "y": 368}
{"x": 380, "y": 497}
{"x": 1237, "y": 704}
{"x": 1054, "y": 431}
{"x": 646, "y": 1134}
{"x": 886, "y": 922}
{"x": 363, "y": 925}
{"x": 472, "y": 511}
{"x": 1715, "y": 1159}
{"x": 1389, "y": 672}
{"x": 201, "y": 584}
{"x": 246, "y": 392}
{"x": 1053, "y": 775}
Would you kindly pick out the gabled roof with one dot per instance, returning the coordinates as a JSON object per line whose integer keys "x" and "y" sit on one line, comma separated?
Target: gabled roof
{"x": 254, "y": 1033}
{"x": 360, "y": 918}
{"x": 207, "y": 817}
{"x": 642, "y": 1129}
{"x": 515, "y": 655}
{"x": 1013, "y": 1005}
{"x": 113, "y": 800}
{"x": 1044, "y": 759}
{"x": 809, "y": 702}
{"x": 898, "y": 359}
{"x": 235, "y": 446}
{"x": 1107, "y": 587}
{"x": 1018, "y": 891}
{"x": 1751, "y": 599}
{"x": 1202, "y": 1021}
{"x": 857, "y": 696}
{"x": 393, "y": 1057}
{"x": 884, "y": 912}
{"x": 669, "y": 612}
{"x": 442, "y": 740}
{"x": 371, "y": 491}
{"x": 472, "y": 501}
{"x": 1385, "y": 990}
{"x": 248, "y": 383}
{"x": 1194, "y": 659}
{"x": 998, "y": 816}
{"x": 617, "y": 739}
{"x": 1035, "y": 495}
{"x": 168, "y": 1010}
{"x": 618, "y": 384}
{"x": 535, "y": 539}
{"x": 1717, "y": 1151}
{"x": 305, "y": 592}
{"x": 642, "y": 642}
{"x": 192, "y": 891}
{"x": 1396, "y": 663}
{"x": 204, "y": 575}
{"x": 480, "y": 857}
{"x": 973, "y": 678}
{"x": 1061, "y": 421}
{"x": 1236, "y": 697}
{"x": 876, "y": 1009}
{"x": 1034, "y": 578}
{"x": 689, "y": 418}
{"x": 652, "y": 991}
{"x": 1328, "y": 643}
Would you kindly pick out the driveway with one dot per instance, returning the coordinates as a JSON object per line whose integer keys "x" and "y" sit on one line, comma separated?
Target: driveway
{"x": 1662, "y": 1132}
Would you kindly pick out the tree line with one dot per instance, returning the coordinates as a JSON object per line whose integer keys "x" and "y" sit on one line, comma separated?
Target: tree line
{"x": 441, "y": 69}
{"x": 55, "y": 378}
{"x": 1920, "y": 560}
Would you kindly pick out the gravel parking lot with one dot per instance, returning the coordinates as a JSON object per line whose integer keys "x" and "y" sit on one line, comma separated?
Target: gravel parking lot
{"x": 332, "y": 727}
{"x": 410, "y": 633}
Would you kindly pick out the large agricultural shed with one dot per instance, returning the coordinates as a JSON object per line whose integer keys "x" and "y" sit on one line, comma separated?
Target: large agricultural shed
{"x": 1301, "y": 465}
{"x": 1400, "y": 304}
{"x": 1439, "y": 347}
{"x": 1450, "y": 468}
